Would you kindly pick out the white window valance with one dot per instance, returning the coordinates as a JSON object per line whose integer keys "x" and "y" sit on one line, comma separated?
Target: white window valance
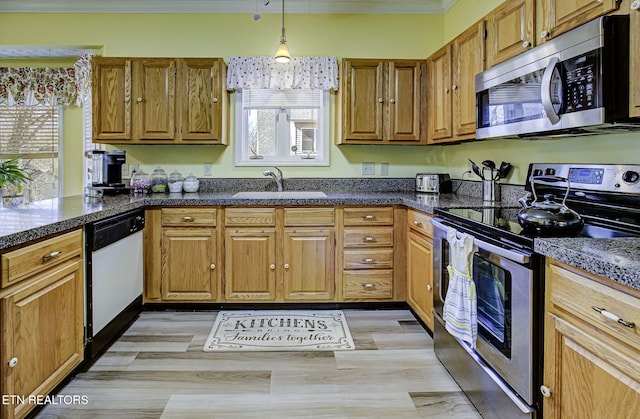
{"x": 300, "y": 73}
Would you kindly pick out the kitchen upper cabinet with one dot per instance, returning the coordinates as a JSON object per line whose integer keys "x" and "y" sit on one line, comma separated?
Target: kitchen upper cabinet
{"x": 420, "y": 266}
{"x": 510, "y": 30}
{"x": 451, "y": 99}
{"x": 189, "y": 254}
{"x": 159, "y": 101}
{"x": 41, "y": 318}
{"x": 634, "y": 62}
{"x": 560, "y": 16}
{"x": 592, "y": 362}
{"x": 381, "y": 102}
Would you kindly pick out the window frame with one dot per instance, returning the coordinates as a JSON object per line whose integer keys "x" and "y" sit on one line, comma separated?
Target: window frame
{"x": 323, "y": 139}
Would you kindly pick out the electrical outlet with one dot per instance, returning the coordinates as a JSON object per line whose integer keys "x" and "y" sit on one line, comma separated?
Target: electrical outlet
{"x": 368, "y": 168}
{"x": 384, "y": 169}
{"x": 208, "y": 169}
{"x": 134, "y": 168}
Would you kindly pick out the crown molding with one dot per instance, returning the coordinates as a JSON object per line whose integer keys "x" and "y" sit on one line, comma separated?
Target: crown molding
{"x": 228, "y": 6}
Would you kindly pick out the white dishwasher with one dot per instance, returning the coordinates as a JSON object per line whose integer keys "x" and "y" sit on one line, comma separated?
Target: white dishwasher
{"x": 114, "y": 278}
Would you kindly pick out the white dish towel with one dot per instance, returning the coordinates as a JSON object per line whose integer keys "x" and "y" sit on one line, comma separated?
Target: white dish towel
{"x": 460, "y": 306}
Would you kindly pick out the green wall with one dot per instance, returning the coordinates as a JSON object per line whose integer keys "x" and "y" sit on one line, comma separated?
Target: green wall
{"x": 356, "y": 36}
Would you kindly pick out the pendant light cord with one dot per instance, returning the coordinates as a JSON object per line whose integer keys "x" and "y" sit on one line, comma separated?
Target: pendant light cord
{"x": 283, "y": 39}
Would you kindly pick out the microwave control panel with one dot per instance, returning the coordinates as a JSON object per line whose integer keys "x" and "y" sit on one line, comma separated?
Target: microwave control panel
{"x": 581, "y": 77}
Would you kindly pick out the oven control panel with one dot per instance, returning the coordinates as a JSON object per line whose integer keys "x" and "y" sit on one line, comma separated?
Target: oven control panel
{"x": 621, "y": 178}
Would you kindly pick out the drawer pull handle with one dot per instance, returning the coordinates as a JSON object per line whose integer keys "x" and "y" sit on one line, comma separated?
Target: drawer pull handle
{"x": 416, "y": 222}
{"x": 51, "y": 255}
{"x": 369, "y": 217}
{"x": 368, "y": 239}
{"x": 187, "y": 218}
{"x": 368, "y": 260}
{"x": 613, "y": 317}
{"x": 369, "y": 286}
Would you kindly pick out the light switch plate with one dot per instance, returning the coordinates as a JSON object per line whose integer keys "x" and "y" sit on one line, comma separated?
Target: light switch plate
{"x": 368, "y": 168}
{"x": 384, "y": 169}
{"x": 208, "y": 169}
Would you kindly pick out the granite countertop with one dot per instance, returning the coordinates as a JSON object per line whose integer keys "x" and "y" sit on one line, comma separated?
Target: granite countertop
{"x": 616, "y": 259}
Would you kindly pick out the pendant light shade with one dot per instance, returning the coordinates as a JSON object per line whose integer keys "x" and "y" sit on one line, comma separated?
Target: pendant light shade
{"x": 282, "y": 54}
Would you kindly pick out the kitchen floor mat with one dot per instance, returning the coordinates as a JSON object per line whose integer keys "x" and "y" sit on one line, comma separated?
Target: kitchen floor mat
{"x": 288, "y": 330}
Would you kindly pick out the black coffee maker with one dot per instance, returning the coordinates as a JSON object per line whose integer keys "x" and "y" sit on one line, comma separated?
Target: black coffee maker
{"x": 107, "y": 171}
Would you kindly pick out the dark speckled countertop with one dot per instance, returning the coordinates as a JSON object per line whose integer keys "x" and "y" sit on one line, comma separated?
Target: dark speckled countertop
{"x": 616, "y": 259}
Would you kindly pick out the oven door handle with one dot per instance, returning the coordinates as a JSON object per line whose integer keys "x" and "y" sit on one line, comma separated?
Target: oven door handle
{"x": 514, "y": 255}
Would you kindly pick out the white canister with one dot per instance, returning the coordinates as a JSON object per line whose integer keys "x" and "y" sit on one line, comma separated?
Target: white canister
{"x": 191, "y": 183}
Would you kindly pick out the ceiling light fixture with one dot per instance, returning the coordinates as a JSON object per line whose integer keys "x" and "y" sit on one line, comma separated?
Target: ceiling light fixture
{"x": 282, "y": 54}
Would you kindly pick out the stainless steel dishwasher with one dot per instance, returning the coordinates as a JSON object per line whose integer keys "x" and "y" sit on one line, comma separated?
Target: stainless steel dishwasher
{"x": 114, "y": 278}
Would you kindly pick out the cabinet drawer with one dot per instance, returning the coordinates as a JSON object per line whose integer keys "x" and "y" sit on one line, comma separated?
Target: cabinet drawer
{"x": 309, "y": 216}
{"x": 368, "y": 259}
{"x": 250, "y": 216}
{"x": 368, "y": 216}
{"x": 578, "y": 295}
{"x": 368, "y": 237}
{"x": 21, "y": 263}
{"x": 420, "y": 222}
{"x": 368, "y": 284}
{"x": 178, "y": 217}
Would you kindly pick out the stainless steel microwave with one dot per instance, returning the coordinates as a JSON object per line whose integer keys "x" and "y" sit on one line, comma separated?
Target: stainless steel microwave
{"x": 576, "y": 83}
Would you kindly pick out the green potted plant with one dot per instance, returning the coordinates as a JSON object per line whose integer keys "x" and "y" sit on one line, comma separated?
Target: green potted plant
{"x": 11, "y": 174}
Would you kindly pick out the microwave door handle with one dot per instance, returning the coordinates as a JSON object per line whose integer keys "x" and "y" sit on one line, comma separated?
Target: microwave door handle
{"x": 545, "y": 93}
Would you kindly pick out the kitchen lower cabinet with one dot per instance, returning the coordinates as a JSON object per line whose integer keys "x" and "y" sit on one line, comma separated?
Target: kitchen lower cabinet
{"x": 560, "y": 16}
{"x": 510, "y": 30}
{"x": 420, "y": 266}
{"x": 41, "y": 318}
{"x": 592, "y": 362}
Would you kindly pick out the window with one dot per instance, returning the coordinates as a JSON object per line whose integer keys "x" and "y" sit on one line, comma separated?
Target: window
{"x": 288, "y": 127}
{"x": 33, "y": 133}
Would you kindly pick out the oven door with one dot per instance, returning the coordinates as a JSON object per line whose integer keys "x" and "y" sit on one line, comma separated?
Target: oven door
{"x": 505, "y": 302}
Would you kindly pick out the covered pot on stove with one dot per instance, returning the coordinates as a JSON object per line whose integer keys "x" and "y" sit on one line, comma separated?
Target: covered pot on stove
{"x": 548, "y": 217}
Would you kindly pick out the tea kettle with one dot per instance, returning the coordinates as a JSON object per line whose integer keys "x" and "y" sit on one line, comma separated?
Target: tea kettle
{"x": 549, "y": 218}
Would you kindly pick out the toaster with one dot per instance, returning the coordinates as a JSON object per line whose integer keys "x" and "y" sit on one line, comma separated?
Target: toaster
{"x": 433, "y": 183}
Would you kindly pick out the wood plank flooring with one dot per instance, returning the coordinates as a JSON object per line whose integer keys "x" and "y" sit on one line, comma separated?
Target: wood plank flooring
{"x": 157, "y": 369}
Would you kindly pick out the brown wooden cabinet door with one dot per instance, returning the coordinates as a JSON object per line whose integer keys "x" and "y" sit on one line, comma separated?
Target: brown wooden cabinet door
{"x": 589, "y": 376}
{"x": 510, "y": 29}
{"x": 42, "y": 333}
{"x": 363, "y": 100}
{"x": 420, "y": 277}
{"x": 250, "y": 264}
{"x": 560, "y": 16}
{"x": 309, "y": 267}
{"x": 634, "y": 59}
{"x": 189, "y": 264}
{"x": 200, "y": 100}
{"x": 404, "y": 101}
{"x": 154, "y": 104}
{"x": 111, "y": 92}
{"x": 439, "y": 126}
{"x": 468, "y": 60}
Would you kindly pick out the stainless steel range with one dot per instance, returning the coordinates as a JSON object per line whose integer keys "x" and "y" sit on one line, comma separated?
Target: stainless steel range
{"x": 502, "y": 375}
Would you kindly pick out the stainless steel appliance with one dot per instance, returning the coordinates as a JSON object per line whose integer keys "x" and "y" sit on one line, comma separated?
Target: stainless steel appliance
{"x": 502, "y": 375}
{"x": 576, "y": 83}
{"x": 114, "y": 277}
{"x": 433, "y": 183}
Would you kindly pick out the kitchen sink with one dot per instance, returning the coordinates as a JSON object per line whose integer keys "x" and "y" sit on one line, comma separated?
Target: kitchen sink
{"x": 280, "y": 195}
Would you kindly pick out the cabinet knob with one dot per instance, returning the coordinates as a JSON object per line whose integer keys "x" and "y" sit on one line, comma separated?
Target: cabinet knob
{"x": 286, "y": 266}
{"x": 127, "y": 99}
{"x": 214, "y": 100}
{"x": 544, "y": 34}
{"x": 212, "y": 266}
{"x": 139, "y": 99}
{"x": 635, "y": 5}
{"x": 13, "y": 362}
{"x": 446, "y": 90}
{"x": 272, "y": 266}
{"x": 526, "y": 44}
{"x": 454, "y": 87}
{"x": 380, "y": 100}
{"x": 429, "y": 287}
{"x": 546, "y": 391}
{"x": 392, "y": 101}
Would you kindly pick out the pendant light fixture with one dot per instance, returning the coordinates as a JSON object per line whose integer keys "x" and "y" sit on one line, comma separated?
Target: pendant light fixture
{"x": 282, "y": 54}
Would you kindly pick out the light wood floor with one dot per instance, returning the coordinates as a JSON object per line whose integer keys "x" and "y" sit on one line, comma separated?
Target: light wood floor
{"x": 157, "y": 369}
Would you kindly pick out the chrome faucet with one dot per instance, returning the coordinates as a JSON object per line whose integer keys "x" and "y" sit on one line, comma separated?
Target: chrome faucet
{"x": 276, "y": 176}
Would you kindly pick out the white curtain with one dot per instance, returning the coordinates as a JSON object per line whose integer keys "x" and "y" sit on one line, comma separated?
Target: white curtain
{"x": 300, "y": 73}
